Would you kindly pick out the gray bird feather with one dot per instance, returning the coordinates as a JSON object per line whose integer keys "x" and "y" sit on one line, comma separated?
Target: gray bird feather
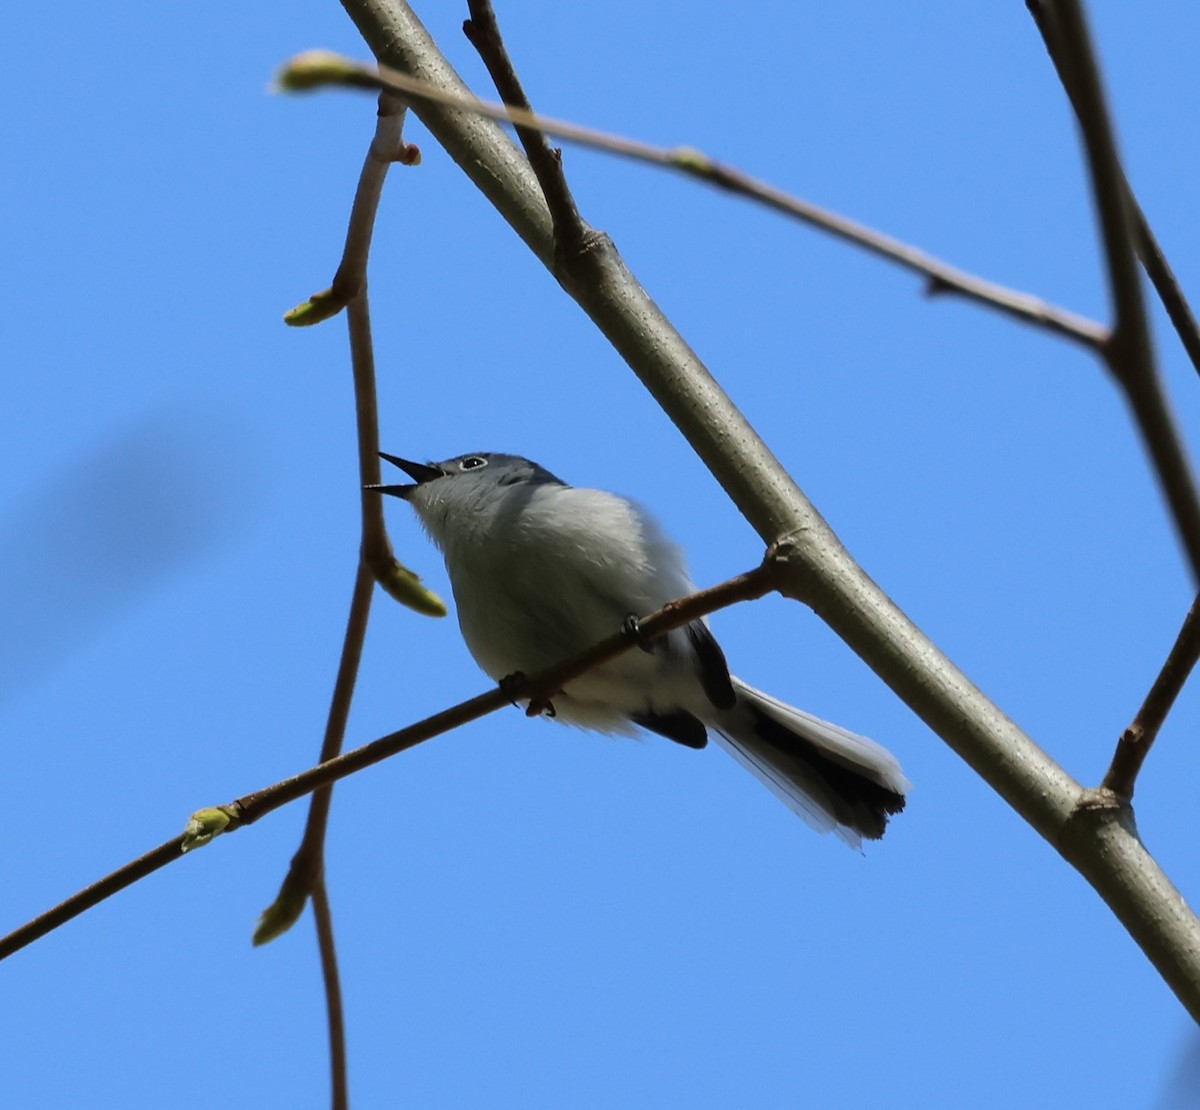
{"x": 542, "y": 570}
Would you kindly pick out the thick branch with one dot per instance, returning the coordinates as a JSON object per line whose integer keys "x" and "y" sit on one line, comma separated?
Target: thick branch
{"x": 822, "y": 572}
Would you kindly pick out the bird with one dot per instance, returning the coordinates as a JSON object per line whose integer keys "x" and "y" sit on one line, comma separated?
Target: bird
{"x": 541, "y": 570}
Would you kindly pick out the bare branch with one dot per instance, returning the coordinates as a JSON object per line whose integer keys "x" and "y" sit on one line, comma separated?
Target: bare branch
{"x": 570, "y": 232}
{"x": 1093, "y": 834}
{"x": 1129, "y": 353}
{"x": 1166, "y": 284}
{"x": 338, "y": 1072}
{"x": 538, "y": 688}
{"x": 305, "y": 877}
{"x": 317, "y": 68}
{"x": 1153, "y": 259}
{"x": 91, "y": 896}
{"x": 307, "y": 868}
{"x": 1134, "y": 744}
{"x": 1070, "y": 42}
{"x": 376, "y": 560}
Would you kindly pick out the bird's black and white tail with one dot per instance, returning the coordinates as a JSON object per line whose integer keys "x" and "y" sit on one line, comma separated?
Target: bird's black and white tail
{"x": 836, "y": 780}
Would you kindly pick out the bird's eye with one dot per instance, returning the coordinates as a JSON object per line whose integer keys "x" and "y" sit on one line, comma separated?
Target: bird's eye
{"x": 472, "y": 462}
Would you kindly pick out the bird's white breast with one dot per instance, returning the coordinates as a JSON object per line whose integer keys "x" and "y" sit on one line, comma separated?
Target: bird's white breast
{"x": 541, "y": 572}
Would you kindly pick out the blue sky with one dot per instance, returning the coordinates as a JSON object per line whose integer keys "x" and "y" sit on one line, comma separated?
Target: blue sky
{"x": 530, "y": 916}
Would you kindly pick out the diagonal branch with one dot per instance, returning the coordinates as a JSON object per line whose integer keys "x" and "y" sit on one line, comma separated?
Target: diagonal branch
{"x": 538, "y": 689}
{"x": 1092, "y": 833}
{"x": 1166, "y": 284}
{"x": 1069, "y": 41}
{"x": 318, "y": 68}
{"x": 307, "y": 868}
{"x": 1128, "y": 353}
{"x": 91, "y": 895}
{"x": 1134, "y": 744}
{"x": 483, "y": 31}
{"x": 1151, "y": 254}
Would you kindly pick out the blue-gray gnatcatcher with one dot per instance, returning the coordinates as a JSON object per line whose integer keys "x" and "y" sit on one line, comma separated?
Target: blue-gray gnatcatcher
{"x": 542, "y": 570}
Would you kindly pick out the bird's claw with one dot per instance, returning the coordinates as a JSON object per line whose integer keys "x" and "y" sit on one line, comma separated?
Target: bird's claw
{"x": 632, "y": 628}
{"x": 511, "y": 686}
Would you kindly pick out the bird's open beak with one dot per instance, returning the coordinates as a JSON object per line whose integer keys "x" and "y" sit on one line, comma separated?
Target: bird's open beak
{"x": 418, "y": 472}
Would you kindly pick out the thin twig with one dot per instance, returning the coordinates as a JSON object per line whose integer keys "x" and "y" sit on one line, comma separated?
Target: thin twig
{"x": 387, "y": 147}
{"x": 1128, "y": 353}
{"x": 306, "y": 875}
{"x": 318, "y": 68}
{"x": 1134, "y": 744}
{"x": 338, "y": 1071}
{"x": 90, "y": 896}
{"x": 538, "y": 689}
{"x": 1166, "y": 284}
{"x": 1069, "y": 38}
{"x": 308, "y": 865}
{"x": 1153, "y": 258}
{"x": 376, "y": 560}
{"x": 483, "y": 32}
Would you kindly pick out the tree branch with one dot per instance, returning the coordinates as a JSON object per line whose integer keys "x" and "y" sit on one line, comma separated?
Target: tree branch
{"x": 1151, "y": 254}
{"x": 318, "y": 68}
{"x": 90, "y": 896}
{"x": 1098, "y": 840}
{"x": 306, "y": 874}
{"x": 1128, "y": 354}
{"x": 483, "y": 31}
{"x": 539, "y": 689}
{"x": 376, "y": 560}
{"x": 1166, "y": 284}
{"x": 338, "y": 1072}
{"x": 1135, "y": 741}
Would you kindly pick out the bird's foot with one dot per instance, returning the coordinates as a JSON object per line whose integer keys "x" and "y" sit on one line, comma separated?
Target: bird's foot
{"x": 632, "y": 628}
{"x": 512, "y": 686}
